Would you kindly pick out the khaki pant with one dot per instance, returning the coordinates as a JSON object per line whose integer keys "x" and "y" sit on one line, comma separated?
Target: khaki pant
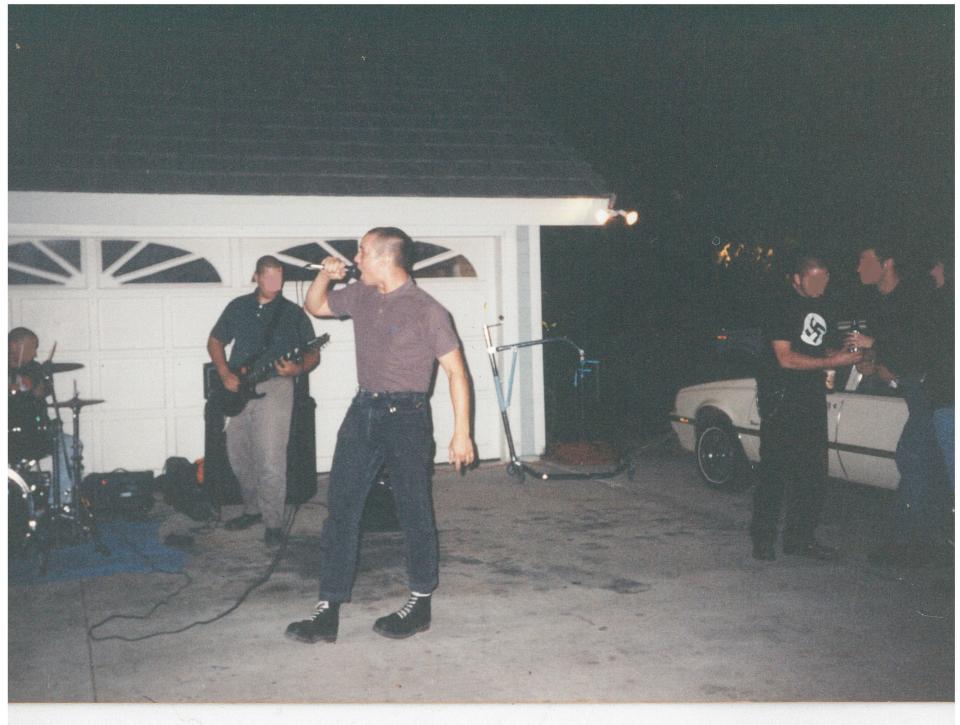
{"x": 257, "y": 446}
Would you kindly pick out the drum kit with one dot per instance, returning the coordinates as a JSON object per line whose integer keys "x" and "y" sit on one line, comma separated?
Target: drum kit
{"x": 46, "y": 508}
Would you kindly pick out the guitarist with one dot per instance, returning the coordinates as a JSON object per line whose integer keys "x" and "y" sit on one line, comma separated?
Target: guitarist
{"x": 262, "y": 326}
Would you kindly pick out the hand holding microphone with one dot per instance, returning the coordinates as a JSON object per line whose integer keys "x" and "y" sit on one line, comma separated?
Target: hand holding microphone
{"x": 336, "y": 269}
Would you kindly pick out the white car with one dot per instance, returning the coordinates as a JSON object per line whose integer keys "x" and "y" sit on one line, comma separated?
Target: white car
{"x": 719, "y": 422}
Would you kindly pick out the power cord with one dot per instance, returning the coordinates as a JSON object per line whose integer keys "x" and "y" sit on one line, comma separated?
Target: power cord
{"x": 288, "y": 525}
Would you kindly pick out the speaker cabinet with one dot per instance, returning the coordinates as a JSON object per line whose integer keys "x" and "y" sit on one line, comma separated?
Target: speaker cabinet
{"x": 218, "y": 476}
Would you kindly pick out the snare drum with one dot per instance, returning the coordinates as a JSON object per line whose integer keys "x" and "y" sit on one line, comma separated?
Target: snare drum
{"x": 27, "y": 436}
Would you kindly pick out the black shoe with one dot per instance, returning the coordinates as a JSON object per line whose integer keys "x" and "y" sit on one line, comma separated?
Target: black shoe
{"x": 412, "y": 617}
{"x": 812, "y": 550}
{"x": 764, "y": 551}
{"x": 323, "y": 626}
{"x": 242, "y": 522}
{"x": 273, "y": 537}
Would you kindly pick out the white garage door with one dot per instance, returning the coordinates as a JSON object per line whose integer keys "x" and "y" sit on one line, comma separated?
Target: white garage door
{"x": 136, "y": 314}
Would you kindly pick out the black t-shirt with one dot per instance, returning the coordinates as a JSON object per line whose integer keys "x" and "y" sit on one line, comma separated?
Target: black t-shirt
{"x": 940, "y": 375}
{"x": 904, "y": 323}
{"x": 805, "y": 323}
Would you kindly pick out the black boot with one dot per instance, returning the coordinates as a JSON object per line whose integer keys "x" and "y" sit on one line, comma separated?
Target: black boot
{"x": 323, "y": 626}
{"x": 412, "y": 617}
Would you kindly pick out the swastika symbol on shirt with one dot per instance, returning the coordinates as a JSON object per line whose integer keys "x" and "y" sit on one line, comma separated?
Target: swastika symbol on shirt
{"x": 814, "y": 328}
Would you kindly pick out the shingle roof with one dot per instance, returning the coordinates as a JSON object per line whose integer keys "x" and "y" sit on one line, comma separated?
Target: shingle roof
{"x": 322, "y": 126}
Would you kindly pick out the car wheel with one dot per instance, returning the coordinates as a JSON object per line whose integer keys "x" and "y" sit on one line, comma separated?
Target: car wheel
{"x": 720, "y": 458}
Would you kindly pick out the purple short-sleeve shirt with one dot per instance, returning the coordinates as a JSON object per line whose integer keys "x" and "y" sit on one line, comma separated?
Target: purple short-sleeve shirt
{"x": 399, "y": 335}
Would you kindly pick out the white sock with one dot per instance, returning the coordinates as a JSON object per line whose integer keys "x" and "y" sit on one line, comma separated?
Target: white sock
{"x": 418, "y": 595}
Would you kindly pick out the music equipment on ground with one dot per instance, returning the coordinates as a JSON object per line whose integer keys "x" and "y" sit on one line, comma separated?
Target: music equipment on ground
{"x": 185, "y": 489}
{"x": 231, "y": 403}
{"x": 118, "y": 494}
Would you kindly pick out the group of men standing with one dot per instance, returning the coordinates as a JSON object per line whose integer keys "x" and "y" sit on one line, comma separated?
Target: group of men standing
{"x": 909, "y": 348}
{"x": 400, "y": 332}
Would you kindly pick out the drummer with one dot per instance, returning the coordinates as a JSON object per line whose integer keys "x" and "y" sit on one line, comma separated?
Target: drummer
{"x": 26, "y": 376}
{"x": 24, "y": 372}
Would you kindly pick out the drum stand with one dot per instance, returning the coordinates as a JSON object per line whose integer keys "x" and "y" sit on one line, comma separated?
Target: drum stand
{"x": 68, "y": 519}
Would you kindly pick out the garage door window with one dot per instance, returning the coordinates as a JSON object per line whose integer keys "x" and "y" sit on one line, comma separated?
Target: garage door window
{"x": 55, "y": 262}
{"x": 124, "y": 261}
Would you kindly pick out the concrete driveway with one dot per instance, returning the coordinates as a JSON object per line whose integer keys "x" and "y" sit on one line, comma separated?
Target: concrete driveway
{"x": 609, "y": 591}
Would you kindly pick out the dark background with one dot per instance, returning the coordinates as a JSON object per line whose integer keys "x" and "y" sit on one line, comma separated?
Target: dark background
{"x": 741, "y": 135}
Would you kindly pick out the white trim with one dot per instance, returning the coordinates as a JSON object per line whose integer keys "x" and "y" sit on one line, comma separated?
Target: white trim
{"x": 147, "y": 215}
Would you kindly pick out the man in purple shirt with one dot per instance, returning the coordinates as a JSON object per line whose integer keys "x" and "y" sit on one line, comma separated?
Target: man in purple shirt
{"x": 400, "y": 331}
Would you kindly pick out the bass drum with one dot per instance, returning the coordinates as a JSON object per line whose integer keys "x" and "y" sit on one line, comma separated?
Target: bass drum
{"x": 21, "y": 513}
{"x": 27, "y": 436}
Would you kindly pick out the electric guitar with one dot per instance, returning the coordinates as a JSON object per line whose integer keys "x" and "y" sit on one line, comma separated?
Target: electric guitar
{"x": 228, "y": 403}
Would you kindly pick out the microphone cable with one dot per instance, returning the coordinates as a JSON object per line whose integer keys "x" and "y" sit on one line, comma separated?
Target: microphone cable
{"x": 260, "y": 581}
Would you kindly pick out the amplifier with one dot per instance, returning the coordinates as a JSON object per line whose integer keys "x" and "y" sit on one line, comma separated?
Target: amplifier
{"x": 119, "y": 494}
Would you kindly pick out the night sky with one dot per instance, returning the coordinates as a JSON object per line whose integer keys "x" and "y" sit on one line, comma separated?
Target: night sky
{"x": 779, "y": 127}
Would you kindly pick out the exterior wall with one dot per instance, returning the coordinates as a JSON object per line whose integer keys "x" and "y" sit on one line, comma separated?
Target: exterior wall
{"x": 142, "y": 346}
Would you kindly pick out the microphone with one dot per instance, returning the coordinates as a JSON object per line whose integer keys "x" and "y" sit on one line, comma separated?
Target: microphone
{"x": 353, "y": 272}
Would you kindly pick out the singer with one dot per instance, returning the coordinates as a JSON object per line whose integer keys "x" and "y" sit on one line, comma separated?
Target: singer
{"x": 400, "y": 332}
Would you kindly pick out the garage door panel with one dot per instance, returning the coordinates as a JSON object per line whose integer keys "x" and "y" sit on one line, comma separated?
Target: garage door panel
{"x": 61, "y": 320}
{"x": 479, "y": 365}
{"x": 336, "y": 375}
{"x": 188, "y": 381}
{"x": 133, "y": 443}
{"x": 192, "y": 318}
{"x": 133, "y": 384}
{"x": 131, "y": 323}
{"x": 466, "y": 306}
{"x": 189, "y": 436}
{"x": 63, "y": 383}
{"x": 330, "y": 413}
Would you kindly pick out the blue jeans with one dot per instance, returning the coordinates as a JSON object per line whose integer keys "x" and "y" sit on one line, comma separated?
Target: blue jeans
{"x": 917, "y": 461}
{"x": 391, "y": 429}
{"x": 943, "y": 424}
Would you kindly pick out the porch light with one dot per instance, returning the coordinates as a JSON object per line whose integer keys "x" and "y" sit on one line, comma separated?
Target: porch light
{"x": 630, "y": 217}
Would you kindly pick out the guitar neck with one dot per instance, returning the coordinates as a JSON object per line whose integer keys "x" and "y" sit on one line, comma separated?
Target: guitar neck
{"x": 263, "y": 372}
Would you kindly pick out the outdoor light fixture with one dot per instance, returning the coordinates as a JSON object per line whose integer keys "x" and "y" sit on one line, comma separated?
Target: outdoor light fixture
{"x": 630, "y": 217}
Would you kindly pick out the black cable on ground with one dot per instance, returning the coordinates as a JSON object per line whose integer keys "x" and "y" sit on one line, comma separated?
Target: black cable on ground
{"x": 288, "y": 525}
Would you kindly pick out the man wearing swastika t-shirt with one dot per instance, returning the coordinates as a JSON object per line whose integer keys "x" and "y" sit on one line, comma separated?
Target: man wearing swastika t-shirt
{"x": 400, "y": 332}
{"x": 791, "y": 397}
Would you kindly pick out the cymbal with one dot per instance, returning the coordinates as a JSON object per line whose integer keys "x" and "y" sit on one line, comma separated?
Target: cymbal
{"x": 75, "y": 403}
{"x": 60, "y": 367}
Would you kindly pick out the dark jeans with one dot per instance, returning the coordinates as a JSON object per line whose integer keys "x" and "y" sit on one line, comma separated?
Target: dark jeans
{"x": 380, "y": 428}
{"x": 793, "y": 466}
{"x": 919, "y": 464}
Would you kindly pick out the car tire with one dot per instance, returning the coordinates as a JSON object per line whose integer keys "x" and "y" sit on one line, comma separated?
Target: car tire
{"x": 720, "y": 457}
